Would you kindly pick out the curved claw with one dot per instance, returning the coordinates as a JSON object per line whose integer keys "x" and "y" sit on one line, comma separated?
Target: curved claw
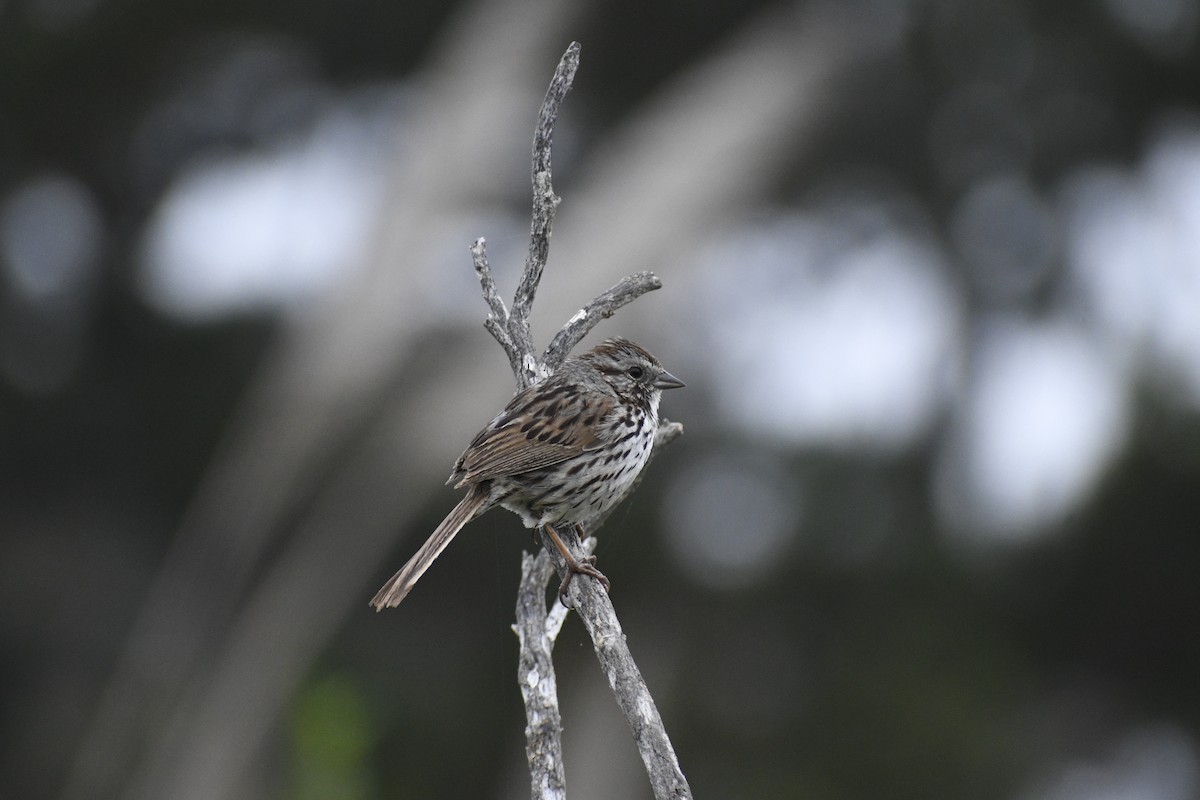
{"x": 584, "y": 566}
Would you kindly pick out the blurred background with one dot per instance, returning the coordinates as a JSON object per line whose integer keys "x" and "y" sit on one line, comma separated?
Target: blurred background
{"x": 932, "y": 275}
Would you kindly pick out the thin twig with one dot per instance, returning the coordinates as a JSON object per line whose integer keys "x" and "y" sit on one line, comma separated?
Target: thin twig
{"x": 544, "y": 199}
{"x": 484, "y": 270}
{"x": 626, "y": 291}
{"x": 667, "y": 432}
{"x": 536, "y": 627}
{"x": 596, "y": 611}
{"x": 497, "y": 321}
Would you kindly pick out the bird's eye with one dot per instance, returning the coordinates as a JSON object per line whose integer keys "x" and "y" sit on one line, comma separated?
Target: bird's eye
{"x": 636, "y": 373}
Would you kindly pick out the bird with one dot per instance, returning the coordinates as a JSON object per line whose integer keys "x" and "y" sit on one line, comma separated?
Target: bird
{"x": 562, "y": 452}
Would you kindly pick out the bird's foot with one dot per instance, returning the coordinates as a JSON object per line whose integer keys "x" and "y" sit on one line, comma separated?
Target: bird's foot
{"x": 583, "y": 566}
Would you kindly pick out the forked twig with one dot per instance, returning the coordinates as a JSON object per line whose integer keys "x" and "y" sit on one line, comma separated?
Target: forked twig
{"x": 604, "y": 306}
{"x": 536, "y": 625}
{"x": 537, "y": 629}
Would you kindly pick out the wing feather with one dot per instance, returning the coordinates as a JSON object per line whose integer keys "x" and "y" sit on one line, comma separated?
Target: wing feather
{"x": 541, "y": 426}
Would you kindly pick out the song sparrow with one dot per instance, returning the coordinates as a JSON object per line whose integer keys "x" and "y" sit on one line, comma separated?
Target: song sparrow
{"x": 560, "y": 452}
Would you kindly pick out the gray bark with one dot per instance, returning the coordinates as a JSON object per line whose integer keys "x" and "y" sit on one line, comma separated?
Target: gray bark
{"x": 537, "y": 626}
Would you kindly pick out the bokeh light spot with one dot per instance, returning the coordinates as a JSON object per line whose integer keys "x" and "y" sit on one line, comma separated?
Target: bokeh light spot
{"x": 731, "y": 519}
{"x": 50, "y": 236}
{"x": 1133, "y": 252}
{"x": 1152, "y": 763}
{"x": 845, "y": 340}
{"x": 1043, "y": 415}
{"x": 267, "y": 228}
{"x": 1005, "y": 234}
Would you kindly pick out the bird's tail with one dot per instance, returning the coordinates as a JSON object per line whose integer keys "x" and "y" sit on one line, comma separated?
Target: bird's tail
{"x": 403, "y": 581}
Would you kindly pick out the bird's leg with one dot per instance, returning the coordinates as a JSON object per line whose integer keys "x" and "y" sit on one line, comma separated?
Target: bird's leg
{"x": 585, "y": 565}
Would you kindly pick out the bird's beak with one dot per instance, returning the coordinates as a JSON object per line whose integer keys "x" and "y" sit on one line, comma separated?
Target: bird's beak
{"x": 666, "y": 380}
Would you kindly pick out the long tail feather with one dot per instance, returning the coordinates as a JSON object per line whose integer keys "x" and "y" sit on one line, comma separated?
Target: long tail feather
{"x": 400, "y": 584}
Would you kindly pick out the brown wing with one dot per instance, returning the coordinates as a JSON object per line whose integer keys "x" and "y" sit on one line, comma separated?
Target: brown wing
{"x": 542, "y": 425}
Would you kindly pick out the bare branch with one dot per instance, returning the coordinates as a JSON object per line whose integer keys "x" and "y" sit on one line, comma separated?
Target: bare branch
{"x": 484, "y": 270}
{"x": 497, "y": 321}
{"x": 537, "y": 629}
{"x": 667, "y": 432}
{"x": 544, "y": 199}
{"x": 596, "y": 611}
{"x": 603, "y": 307}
